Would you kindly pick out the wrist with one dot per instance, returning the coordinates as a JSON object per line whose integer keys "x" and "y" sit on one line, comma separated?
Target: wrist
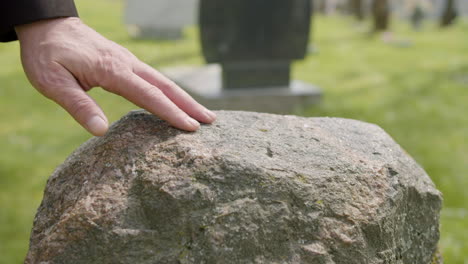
{"x": 43, "y": 27}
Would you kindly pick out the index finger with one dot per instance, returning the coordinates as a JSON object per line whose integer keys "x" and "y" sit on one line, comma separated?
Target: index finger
{"x": 145, "y": 95}
{"x": 176, "y": 94}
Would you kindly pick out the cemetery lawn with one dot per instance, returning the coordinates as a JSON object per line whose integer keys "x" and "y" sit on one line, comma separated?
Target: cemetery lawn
{"x": 416, "y": 89}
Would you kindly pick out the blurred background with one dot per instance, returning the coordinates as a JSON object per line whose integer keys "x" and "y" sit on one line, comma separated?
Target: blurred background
{"x": 404, "y": 68}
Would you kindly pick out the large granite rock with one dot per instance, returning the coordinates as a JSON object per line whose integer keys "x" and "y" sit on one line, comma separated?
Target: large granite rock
{"x": 251, "y": 188}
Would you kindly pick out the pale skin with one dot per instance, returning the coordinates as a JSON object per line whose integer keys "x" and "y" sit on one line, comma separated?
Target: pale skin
{"x": 64, "y": 58}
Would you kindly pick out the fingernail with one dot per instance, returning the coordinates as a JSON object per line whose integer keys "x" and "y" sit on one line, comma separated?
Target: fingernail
{"x": 192, "y": 122}
{"x": 210, "y": 115}
{"x": 97, "y": 125}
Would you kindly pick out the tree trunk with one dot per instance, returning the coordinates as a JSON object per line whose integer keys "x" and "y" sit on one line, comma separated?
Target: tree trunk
{"x": 450, "y": 13}
{"x": 381, "y": 14}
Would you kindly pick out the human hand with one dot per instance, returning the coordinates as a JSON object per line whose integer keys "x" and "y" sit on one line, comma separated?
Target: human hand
{"x": 63, "y": 58}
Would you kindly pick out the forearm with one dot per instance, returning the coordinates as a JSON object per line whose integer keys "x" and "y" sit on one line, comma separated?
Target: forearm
{"x": 19, "y": 12}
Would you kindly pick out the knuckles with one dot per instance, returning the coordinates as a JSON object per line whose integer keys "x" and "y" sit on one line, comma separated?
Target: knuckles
{"x": 111, "y": 65}
{"x": 51, "y": 65}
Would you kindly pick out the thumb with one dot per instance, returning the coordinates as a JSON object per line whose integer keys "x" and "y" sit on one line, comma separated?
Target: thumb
{"x": 84, "y": 110}
{"x": 71, "y": 96}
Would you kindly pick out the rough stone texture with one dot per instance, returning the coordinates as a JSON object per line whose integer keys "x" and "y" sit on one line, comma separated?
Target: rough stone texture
{"x": 251, "y": 188}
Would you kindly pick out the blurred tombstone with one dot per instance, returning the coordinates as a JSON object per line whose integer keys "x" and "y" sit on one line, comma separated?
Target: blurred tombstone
{"x": 449, "y": 13}
{"x": 254, "y": 46}
{"x": 462, "y": 7}
{"x": 417, "y": 11}
{"x": 357, "y": 9}
{"x": 159, "y": 19}
{"x": 320, "y": 6}
{"x": 417, "y": 17}
{"x": 330, "y": 7}
{"x": 253, "y": 43}
{"x": 381, "y": 15}
{"x": 438, "y": 9}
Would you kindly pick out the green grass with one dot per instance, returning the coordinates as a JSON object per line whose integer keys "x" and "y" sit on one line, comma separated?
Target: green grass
{"x": 418, "y": 93}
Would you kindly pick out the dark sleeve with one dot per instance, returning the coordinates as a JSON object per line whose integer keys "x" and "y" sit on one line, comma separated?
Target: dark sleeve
{"x": 18, "y": 12}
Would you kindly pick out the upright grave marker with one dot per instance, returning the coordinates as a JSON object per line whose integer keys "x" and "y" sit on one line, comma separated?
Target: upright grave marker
{"x": 254, "y": 43}
{"x": 159, "y": 19}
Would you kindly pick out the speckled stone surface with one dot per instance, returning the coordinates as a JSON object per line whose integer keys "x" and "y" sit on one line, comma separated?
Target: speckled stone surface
{"x": 250, "y": 188}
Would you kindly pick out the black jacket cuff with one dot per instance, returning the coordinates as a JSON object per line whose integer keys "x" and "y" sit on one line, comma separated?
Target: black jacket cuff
{"x": 19, "y": 12}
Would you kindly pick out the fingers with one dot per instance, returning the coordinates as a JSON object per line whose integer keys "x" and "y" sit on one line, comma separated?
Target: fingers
{"x": 78, "y": 104}
{"x": 183, "y": 100}
{"x": 145, "y": 95}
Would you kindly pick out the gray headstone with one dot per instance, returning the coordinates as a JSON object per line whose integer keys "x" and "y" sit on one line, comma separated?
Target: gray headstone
{"x": 432, "y": 8}
{"x": 160, "y": 19}
{"x": 439, "y": 7}
{"x": 251, "y": 188}
{"x": 253, "y": 43}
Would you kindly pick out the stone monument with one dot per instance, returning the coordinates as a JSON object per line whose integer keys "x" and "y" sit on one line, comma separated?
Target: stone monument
{"x": 254, "y": 43}
{"x": 159, "y": 19}
{"x": 250, "y": 188}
